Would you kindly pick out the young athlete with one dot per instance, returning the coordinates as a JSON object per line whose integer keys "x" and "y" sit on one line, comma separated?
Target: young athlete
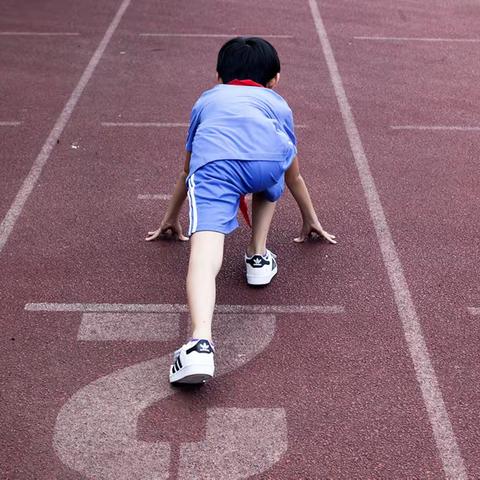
{"x": 241, "y": 140}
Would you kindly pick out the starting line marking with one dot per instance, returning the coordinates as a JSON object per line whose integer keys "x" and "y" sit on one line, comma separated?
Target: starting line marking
{"x": 40, "y": 34}
{"x": 474, "y": 310}
{"x": 31, "y": 179}
{"x": 209, "y": 35}
{"x": 445, "y": 439}
{"x": 458, "y": 128}
{"x": 154, "y": 196}
{"x": 10, "y": 124}
{"x": 179, "y": 308}
{"x": 419, "y": 39}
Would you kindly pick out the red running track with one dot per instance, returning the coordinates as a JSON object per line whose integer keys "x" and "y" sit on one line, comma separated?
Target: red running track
{"x": 325, "y": 390}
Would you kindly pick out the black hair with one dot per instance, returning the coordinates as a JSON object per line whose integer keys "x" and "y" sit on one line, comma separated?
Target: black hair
{"x": 251, "y": 58}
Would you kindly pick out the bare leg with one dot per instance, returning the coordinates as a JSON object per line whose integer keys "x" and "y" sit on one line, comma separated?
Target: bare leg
{"x": 262, "y": 214}
{"x": 206, "y": 255}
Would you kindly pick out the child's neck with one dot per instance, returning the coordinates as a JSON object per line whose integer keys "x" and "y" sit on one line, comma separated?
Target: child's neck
{"x": 246, "y": 82}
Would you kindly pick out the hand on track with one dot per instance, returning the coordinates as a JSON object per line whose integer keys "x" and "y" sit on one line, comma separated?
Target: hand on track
{"x": 167, "y": 230}
{"x": 314, "y": 230}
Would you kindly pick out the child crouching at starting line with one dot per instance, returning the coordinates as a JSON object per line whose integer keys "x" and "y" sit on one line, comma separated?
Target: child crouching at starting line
{"x": 241, "y": 140}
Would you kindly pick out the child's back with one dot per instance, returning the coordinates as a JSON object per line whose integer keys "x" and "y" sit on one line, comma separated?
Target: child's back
{"x": 242, "y": 123}
{"x": 240, "y": 140}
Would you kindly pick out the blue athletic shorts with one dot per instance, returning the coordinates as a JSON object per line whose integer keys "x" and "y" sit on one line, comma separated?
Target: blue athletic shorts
{"x": 214, "y": 191}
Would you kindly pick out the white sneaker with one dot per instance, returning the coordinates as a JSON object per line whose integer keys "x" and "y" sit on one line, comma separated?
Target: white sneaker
{"x": 193, "y": 362}
{"x": 261, "y": 268}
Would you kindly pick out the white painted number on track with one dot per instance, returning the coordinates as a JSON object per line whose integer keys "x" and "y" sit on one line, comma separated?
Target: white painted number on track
{"x": 96, "y": 430}
{"x": 244, "y": 441}
{"x": 140, "y": 327}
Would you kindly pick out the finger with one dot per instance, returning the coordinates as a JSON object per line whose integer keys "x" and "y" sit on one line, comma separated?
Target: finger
{"x": 180, "y": 234}
{"x": 329, "y": 238}
{"x": 323, "y": 234}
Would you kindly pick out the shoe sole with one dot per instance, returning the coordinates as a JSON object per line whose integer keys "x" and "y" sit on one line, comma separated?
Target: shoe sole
{"x": 261, "y": 279}
{"x": 193, "y": 374}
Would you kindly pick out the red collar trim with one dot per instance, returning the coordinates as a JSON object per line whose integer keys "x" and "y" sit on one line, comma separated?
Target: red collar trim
{"x": 245, "y": 83}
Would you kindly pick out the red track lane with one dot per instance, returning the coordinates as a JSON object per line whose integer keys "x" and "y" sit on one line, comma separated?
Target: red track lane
{"x": 39, "y": 74}
{"x": 346, "y": 383}
{"x": 427, "y": 180}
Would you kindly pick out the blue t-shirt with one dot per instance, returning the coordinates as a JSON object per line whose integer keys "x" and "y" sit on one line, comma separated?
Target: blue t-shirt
{"x": 236, "y": 122}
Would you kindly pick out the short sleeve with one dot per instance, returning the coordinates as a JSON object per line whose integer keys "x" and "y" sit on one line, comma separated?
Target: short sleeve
{"x": 290, "y": 127}
{"x": 194, "y": 122}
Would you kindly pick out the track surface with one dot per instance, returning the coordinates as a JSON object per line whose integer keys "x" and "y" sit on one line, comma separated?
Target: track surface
{"x": 306, "y": 392}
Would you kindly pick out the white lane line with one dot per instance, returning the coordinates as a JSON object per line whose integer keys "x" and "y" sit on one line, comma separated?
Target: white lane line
{"x": 474, "y": 310}
{"x": 179, "y": 308}
{"x": 459, "y": 128}
{"x": 138, "y": 327}
{"x": 40, "y": 34}
{"x": 154, "y": 196}
{"x": 10, "y": 124}
{"x": 210, "y": 35}
{"x": 446, "y": 442}
{"x": 144, "y": 124}
{"x": 30, "y": 181}
{"x": 418, "y": 39}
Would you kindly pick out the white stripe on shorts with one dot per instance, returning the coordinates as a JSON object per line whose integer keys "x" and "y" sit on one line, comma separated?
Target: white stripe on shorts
{"x": 189, "y": 209}
{"x": 193, "y": 205}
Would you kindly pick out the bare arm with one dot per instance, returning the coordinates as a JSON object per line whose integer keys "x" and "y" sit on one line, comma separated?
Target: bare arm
{"x": 170, "y": 223}
{"x": 298, "y": 188}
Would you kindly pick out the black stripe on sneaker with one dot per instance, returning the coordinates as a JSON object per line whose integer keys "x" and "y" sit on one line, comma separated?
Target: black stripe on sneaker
{"x": 174, "y": 369}
{"x": 179, "y": 363}
{"x": 176, "y": 365}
